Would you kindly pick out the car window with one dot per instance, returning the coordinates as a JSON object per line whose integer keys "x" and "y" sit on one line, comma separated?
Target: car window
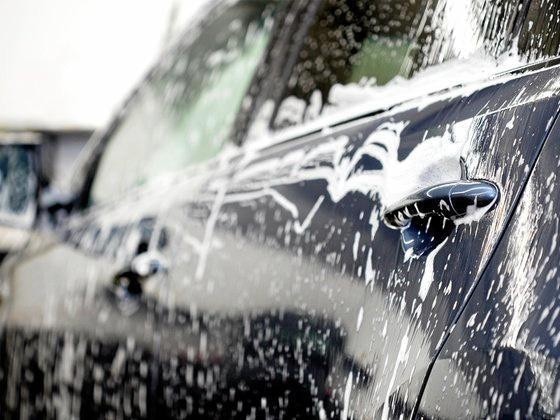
{"x": 353, "y": 49}
{"x": 18, "y": 185}
{"x": 182, "y": 115}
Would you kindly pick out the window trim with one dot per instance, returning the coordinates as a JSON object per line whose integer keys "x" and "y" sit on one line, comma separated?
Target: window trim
{"x": 274, "y": 62}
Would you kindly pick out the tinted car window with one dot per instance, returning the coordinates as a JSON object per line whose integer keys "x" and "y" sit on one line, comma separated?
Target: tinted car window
{"x": 183, "y": 114}
{"x": 18, "y": 184}
{"x": 353, "y": 47}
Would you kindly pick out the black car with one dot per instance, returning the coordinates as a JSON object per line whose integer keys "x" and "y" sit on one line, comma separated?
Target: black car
{"x": 309, "y": 209}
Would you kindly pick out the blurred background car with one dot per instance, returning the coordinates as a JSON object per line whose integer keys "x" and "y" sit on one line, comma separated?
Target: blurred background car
{"x": 19, "y": 188}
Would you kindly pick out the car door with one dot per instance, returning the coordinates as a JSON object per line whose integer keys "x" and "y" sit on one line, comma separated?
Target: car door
{"x": 299, "y": 229}
{"x": 501, "y": 359}
{"x": 302, "y": 232}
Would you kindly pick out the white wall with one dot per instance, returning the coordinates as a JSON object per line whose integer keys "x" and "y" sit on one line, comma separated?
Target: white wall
{"x": 67, "y": 64}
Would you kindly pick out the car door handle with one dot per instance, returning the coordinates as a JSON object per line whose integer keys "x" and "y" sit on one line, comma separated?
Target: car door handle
{"x": 128, "y": 282}
{"x": 148, "y": 264}
{"x": 429, "y": 215}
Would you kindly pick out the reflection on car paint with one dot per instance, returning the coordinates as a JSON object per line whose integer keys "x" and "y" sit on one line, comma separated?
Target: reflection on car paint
{"x": 501, "y": 359}
{"x": 285, "y": 296}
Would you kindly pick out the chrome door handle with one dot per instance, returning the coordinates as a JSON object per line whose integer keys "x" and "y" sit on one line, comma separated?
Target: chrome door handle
{"x": 428, "y": 216}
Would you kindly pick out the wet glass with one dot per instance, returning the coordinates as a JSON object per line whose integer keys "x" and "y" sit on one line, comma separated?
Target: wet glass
{"x": 185, "y": 111}
{"x": 353, "y": 49}
{"x": 18, "y": 185}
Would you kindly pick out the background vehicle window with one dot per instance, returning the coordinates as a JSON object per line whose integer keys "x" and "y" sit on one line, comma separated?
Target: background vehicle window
{"x": 355, "y": 47}
{"x": 184, "y": 113}
{"x": 18, "y": 185}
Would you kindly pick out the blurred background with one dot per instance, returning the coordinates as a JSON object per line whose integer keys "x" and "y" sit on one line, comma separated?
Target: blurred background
{"x": 66, "y": 66}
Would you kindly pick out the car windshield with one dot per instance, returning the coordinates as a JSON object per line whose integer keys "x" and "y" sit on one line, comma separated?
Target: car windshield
{"x": 185, "y": 111}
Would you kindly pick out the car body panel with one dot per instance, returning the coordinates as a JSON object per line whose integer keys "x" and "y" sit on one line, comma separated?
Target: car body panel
{"x": 264, "y": 283}
{"x": 502, "y": 360}
{"x": 311, "y": 199}
{"x": 284, "y": 294}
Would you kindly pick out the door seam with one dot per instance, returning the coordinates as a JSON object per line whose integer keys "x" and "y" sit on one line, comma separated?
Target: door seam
{"x": 469, "y": 294}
